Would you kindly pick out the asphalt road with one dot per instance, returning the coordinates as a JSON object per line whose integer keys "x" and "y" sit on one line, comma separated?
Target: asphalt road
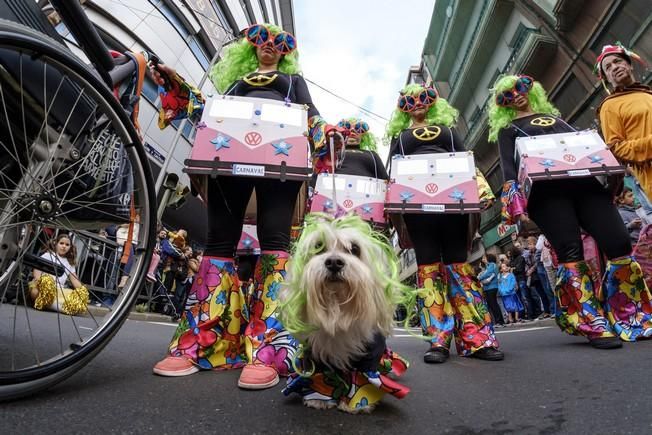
{"x": 549, "y": 383}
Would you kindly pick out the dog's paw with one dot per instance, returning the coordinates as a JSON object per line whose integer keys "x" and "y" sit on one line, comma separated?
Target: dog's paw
{"x": 359, "y": 410}
{"x": 319, "y": 404}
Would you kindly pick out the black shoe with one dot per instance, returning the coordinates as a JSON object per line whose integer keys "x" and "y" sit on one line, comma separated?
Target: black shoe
{"x": 436, "y": 355}
{"x": 488, "y": 354}
{"x": 606, "y": 343}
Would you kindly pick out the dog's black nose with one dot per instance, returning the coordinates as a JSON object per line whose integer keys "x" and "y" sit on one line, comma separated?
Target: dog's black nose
{"x": 334, "y": 264}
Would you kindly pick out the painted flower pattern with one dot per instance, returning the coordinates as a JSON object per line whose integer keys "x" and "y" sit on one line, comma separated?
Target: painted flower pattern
{"x": 451, "y": 304}
{"x": 206, "y": 281}
{"x": 627, "y": 299}
{"x": 621, "y": 306}
{"x": 351, "y": 389}
{"x": 579, "y": 311}
{"x": 210, "y": 330}
{"x": 266, "y": 341}
{"x": 273, "y": 290}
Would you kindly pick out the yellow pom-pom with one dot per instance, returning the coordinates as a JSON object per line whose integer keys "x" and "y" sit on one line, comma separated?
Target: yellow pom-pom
{"x": 47, "y": 290}
{"x": 75, "y": 301}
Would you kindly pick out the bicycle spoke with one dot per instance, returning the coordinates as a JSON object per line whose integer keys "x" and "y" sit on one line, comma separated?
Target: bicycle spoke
{"x": 29, "y": 327}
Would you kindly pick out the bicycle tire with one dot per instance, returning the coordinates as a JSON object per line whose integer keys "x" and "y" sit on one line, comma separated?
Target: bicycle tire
{"x": 28, "y": 380}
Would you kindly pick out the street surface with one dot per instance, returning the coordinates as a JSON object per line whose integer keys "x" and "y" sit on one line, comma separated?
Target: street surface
{"x": 548, "y": 383}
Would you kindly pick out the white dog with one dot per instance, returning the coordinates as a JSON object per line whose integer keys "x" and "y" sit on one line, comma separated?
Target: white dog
{"x": 341, "y": 295}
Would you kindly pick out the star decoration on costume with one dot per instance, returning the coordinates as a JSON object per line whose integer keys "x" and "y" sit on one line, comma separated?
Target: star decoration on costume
{"x": 247, "y": 242}
{"x": 367, "y": 209}
{"x": 596, "y": 159}
{"x": 457, "y": 195}
{"x": 282, "y": 148}
{"x": 328, "y": 205}
{"x": 406, "y": 196}
{"x": 221, "y": 142}
{"x": 547, "y": 163}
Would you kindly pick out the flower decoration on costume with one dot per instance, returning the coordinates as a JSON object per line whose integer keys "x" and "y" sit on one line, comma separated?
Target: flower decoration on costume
{"x": 221, "y": 142}
{"x": 204, "y": 284}
{"x": 282, "y": 148}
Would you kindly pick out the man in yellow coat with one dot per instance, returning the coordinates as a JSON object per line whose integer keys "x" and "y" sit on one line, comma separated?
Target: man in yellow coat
{"x": 626, "y": 114}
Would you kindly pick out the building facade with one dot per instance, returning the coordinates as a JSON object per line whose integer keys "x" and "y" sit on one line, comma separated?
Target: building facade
{"x": 187, "y": 35}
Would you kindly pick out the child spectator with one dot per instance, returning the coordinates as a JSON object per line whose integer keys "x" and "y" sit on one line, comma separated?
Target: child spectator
{"x": 489, "y": 279}
{"x": 507, "y": 291}
{"x": 628, "y": 214}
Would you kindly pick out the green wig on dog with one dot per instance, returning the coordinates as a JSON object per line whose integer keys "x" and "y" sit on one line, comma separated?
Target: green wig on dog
{"x": 295, "y": 298}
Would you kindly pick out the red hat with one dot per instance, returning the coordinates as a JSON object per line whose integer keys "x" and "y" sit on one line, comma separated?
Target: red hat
{"x": 619, "y": 50}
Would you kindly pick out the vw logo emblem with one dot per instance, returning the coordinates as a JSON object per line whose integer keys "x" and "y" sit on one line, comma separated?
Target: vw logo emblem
{"x": 431, "y": 188}
{"x": 253, "y": 138}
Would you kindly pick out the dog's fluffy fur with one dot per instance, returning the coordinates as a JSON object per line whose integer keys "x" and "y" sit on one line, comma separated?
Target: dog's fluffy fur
{"x": 342, "y": 289}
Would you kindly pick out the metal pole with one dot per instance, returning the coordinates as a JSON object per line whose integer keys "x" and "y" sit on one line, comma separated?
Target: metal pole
{"x": 163, "y": 204}
{"x": 177, "y": 136}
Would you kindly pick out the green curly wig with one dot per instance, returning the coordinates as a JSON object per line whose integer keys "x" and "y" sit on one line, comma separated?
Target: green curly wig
{"x": 501, "y": 117}
{"x": 439, "y": 113}
{"x": 367, "y": 140}
{"x": 240, "y": 59}
{"x": 295, "y": 301}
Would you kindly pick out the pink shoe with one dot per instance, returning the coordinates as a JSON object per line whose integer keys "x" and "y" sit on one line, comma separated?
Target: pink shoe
{"x": 257, "y": 377}
{"x": 175, "y": 366}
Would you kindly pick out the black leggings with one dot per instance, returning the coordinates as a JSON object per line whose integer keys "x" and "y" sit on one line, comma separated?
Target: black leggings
{"x": 227, "y": 202}
{"x": 491, "y": 295}
{"x": 561, "y": 207}
{"x": 438, "y": 238}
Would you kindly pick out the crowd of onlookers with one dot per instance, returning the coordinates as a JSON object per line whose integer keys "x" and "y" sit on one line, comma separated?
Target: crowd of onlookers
{"x": 171, "y": 271}
{"x": 519, "y": 285}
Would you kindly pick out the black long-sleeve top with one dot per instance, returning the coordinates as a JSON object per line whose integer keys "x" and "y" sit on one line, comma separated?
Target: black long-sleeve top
{"x": 532, "y": 125}
{"x": 426, "y": 140}
{"x": 274, "y": 85}
{"x": 362, "y": 163}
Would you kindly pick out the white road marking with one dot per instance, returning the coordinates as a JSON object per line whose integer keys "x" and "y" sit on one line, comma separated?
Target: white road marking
{"x": 86, "y": 328}
{"x": 416, "y": 331}
{"x": 497, "y": 332}
{"x": 524, "y": 329}
{"x": 163, "y": 323}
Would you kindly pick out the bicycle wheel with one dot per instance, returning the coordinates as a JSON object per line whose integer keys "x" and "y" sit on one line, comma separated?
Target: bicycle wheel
{"x": 71, "y": 167}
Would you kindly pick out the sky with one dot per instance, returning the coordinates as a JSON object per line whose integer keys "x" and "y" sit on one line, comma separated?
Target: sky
{"x": 361, "y": 50}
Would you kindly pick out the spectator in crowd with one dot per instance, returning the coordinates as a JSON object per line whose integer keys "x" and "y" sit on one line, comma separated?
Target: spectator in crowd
{"x": 550, "y": 266}
{"x": 181, "y": 272}
{"x": 519, "y": 269}
{"x": 186, "y": 270}
{"x": 156, "y": 255}
{"x": 628, "y": 213}
{"x": 50, "y": 292}
{"x": 171, "y": 254}
{"x": 507, "y": 287}
{"x": 538, "y": 278}
{"x": 489, "y": 279}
